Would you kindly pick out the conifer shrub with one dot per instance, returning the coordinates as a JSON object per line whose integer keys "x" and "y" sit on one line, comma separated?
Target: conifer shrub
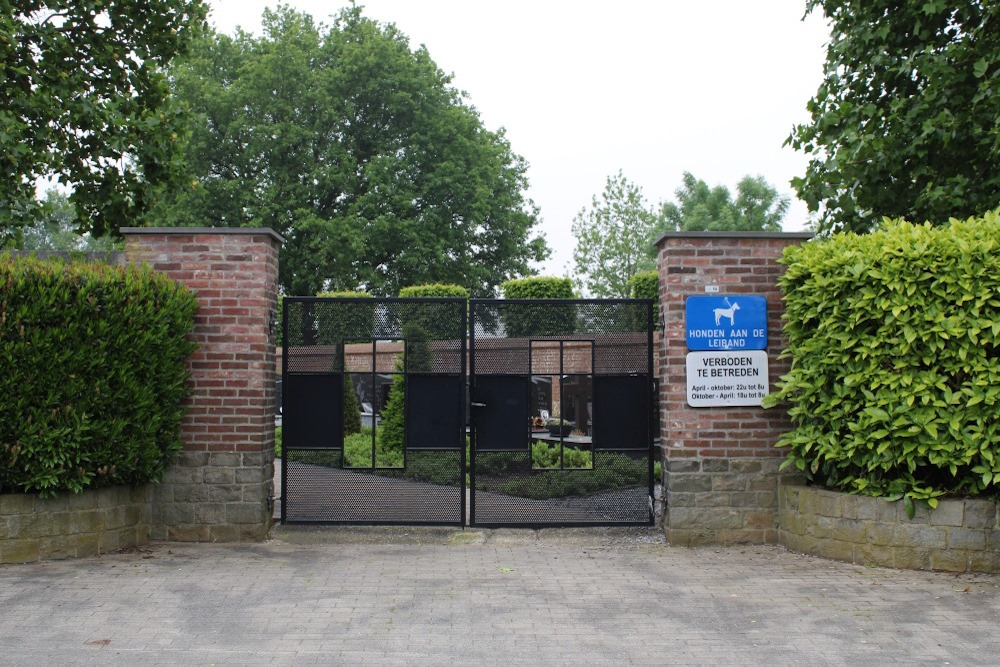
{"x": 94, "y": 374}
{"x": 894, "y": 339}
{"x": 420, "y": 323}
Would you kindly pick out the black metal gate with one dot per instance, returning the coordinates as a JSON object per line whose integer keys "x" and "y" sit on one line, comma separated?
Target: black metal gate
{"x": 373, "y": 411}
{"x": 562, "y": 418}
{"x": 375, "y": 396}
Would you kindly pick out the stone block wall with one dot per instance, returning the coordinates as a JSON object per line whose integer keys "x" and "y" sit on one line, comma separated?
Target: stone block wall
{"x": 958, "y": 536}
{"x": 90, "y": 523}
{"x": 221, "y": 486}
{"x": 720, "y": 464}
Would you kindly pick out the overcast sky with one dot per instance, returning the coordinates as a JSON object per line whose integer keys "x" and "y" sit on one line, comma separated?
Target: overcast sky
{"x": 585, "y": 88}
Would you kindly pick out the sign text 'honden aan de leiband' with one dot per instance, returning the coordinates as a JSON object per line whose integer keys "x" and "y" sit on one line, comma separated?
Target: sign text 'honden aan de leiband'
{"x": 717, "y": 379}
{"x": 730, "y": 322}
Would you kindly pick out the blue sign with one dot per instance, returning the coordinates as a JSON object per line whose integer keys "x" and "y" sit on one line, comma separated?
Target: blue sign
{"x": 733, "y": 322}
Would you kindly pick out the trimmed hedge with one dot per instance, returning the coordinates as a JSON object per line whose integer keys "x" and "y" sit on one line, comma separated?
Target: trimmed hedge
{"x": 894, "y": 338}
{"x": 541, "y": 320}
{"x": 436, "y": 290}
{"x": 646, "y": 285}
{"x": 538, "y": 287}
{"x": 344, "y": 321}
{"x": 94, "y": 373}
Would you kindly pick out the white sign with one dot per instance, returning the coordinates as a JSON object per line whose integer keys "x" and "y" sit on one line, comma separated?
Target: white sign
{"x": 718, "y": 379}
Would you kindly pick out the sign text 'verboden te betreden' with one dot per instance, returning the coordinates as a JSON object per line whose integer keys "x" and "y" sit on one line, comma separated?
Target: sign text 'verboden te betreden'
{"x": 727, "y": 365}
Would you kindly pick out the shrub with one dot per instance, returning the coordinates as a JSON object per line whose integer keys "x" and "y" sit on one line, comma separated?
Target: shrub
{"x": 521, "y": 320}
{"x": 538, "y": 287}
{"x": 894, "y": 338}
{"x": 646, "y": 285}
{"x": 428, "y": 321}
{"x": 352, "y": 409}
{"x": 342, "y": 321}
{"x": 390, "y": 434}
{"x": 434, "y": 290}
{"x": 94, "y": 373}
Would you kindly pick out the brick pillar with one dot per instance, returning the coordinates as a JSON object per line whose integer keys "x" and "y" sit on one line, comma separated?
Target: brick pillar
{"x": 720, "y": 464}
{"x": 221, "y": 486}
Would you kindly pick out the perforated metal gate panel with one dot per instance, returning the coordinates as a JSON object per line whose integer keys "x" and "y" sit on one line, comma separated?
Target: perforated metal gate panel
{"x": 587, "y": 365}
{"x": 404, "y": 361}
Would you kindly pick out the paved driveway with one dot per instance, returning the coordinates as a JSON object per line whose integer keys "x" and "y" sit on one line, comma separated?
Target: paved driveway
{"x": 403, "y": 596}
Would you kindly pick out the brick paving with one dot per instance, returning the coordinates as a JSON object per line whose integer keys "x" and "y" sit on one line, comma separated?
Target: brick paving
{"x": 410, "y": 596}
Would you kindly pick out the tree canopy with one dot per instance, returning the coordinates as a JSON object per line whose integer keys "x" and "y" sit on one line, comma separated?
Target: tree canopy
{"x": 55, "y": 228}
{"x": 84, "y": 100}
{"x": 758, "y": 207}
{"x": 907, "y": 120}
{"x": 359, "y": 152}
{"x": 614, "y": 239}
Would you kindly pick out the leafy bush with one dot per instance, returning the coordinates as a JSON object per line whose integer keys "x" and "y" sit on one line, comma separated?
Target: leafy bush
{"x": 546, "y": 455}
{"x": 515, "y": 474}
{"x": 436, "y": 290}
{"x": 538, "y": 287}
{"x": 428, "y": 321}
{"x": 390, "y": 434}
{"x": 94, "y": 373}
{"x": 548, "y": 319}
{"x": 646, "y": 285}
{"x": 342, "y": 321}
{"x": 358, "y": 452}
{"x": 894, "y": 338}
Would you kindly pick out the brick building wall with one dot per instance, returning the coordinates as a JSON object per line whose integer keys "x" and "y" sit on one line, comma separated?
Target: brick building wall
{"x": 221, "y": 486}
{"x": 720, "y": 464}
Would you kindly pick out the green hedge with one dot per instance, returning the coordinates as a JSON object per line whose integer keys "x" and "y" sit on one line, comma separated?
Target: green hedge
{"x": 894, "y": 338}
{"x": 93, "y": 360}
{"x": 342, "y": 321}
{"x": 437, "y": 290}
{"x": 646, "y": 285}
{"x": 542, "y": 320}
{"x": 538, "y": 287}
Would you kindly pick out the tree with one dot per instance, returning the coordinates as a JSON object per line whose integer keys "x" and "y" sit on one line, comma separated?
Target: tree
{"x": 613, "y": 239}
{"x": 758, "y": 207}
{"x": 84, "y": 99}
{"x": 907, "y": 120}
{"x": 54, "y": 228}
{"x": 359, "y": 152}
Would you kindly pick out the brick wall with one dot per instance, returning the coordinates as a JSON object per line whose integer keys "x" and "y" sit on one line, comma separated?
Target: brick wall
{"x": 720, "y": 467}
{"x": 220, "y": 488}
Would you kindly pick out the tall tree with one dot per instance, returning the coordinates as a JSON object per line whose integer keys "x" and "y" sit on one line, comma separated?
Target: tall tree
{"x": 907, "y": 120}
{"x": 55, "y": 228}
{"x": 758, "y": 207}
{"x": 84, "y": 99}
{"x": 359, "y": 152}
{"x": 613, "y": 239}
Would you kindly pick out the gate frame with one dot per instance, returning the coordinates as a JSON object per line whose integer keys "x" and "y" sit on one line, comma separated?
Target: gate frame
{"x": 463, "y": 415}
{"x": 652, "y": 412}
